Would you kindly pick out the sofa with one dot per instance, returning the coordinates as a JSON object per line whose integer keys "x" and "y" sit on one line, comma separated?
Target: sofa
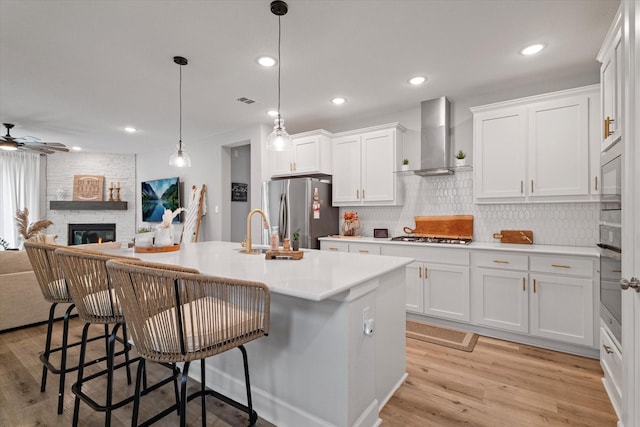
{"x": 21, "y": 301}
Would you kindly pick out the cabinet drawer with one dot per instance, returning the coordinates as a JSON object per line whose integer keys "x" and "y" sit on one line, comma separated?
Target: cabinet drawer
{"x": 364, "y": 248}
{"x": 334, "y": 246}
{"x": 500, "y": 260}
{"x": 429, "y": 254}
{"x": 611, "y": 360}
{"x": 562, "y": 265}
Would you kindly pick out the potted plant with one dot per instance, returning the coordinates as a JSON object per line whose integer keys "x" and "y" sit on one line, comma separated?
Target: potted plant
{"x": 295, "y": 245}
{"x": 460, "y": 158}
{"x": 405, "y": 165}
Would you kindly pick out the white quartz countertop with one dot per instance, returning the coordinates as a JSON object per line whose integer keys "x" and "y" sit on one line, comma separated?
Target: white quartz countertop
{"x": 509, "y": 247}
{"x": 317, "y": 276}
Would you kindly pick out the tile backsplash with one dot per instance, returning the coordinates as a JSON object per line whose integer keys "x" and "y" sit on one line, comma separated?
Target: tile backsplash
{"x": 568, "y": 224}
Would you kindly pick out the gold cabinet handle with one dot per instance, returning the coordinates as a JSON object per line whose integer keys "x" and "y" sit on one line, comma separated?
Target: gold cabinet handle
{"x": 499, "y": 261}
{"x": 419, "y": 272}
{"x": 524, "y": 284}
{"x": 532, "y": 186}
{"x": 607, "y": 124}
{"x": 534, "y": 286}
{"x": 333, "y": 249}
{"x": 521, "y": 187}
{"x": 358, "y": 194}
{"x": 426, "y": 273}
{"x": 363, "y": 194}
{"x": 607, "y": 349}
{"x": 560, "y": 266}
{"x": 363, "y": 251}
{"x": 596, "y": 186}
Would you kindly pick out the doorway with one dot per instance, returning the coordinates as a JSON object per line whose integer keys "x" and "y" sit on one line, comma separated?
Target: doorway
{"x": 240, "y": 178}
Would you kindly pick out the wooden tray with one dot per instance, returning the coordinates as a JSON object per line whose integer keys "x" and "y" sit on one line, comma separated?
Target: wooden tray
{"x": 515, "y": 236}
{"x": 296, "y": 255}
{"x": 444, "y": 226}
{"x": 157, "y": 249}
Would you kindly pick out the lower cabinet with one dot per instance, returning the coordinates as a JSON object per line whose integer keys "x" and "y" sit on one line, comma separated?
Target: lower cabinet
{"x": 509, "y": 293}
{"x": 435, "y": 289}
{"x": 501, "y": 299}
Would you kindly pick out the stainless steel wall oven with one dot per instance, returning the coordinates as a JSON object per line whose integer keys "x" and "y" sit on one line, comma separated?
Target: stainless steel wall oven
{"x": 610, "y": 243}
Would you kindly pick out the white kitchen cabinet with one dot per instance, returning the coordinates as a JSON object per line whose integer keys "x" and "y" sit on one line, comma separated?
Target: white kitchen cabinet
{"x": 551, "y": 298}
{"x": 537, "y": 149}
{"x": 311, "y": 154}
{"x": 352, "y": 247}
{"x": 562, "y": 298}
{"x": 437, "y": 283}
{"x": 501, "y": 299}
{"x": 363, "y": 166}
{"x": 500, "y": 154}
{"x": 329, "y": 245}
{"x": 611, "y": 71}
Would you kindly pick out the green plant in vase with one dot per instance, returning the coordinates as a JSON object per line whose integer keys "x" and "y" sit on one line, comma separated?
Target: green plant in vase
{"x": 461, "y": 158}
{"x": 295, "y": 245}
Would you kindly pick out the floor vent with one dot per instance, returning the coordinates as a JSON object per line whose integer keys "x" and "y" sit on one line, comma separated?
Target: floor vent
{"x": 246, "y": 100}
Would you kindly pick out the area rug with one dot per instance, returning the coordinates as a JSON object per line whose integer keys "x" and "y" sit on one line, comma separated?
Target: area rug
{"x": 460, "y": 340}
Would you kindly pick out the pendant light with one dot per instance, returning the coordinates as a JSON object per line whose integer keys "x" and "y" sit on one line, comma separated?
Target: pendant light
{"x": 180, "y": 158}
{"x": 279, "y": 139}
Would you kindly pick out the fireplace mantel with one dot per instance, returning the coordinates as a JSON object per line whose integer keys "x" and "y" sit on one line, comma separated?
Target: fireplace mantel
{"x": 86, "y": 206}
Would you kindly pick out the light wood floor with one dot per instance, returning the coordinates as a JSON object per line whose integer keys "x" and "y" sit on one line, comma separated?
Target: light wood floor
{"x": 498, "y": 384}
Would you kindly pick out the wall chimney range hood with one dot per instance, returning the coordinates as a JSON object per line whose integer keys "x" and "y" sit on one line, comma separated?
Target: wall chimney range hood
{"x": 435, "y": 139}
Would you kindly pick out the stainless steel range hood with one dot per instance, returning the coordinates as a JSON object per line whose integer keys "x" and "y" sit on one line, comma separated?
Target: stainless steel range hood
{"x": 435, "y": 139}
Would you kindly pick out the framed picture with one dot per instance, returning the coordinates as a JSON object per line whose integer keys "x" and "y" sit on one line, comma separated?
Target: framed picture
{"x": 159, "y": 194}
{"x": 87, "y": 187}
{"x": 239, "y": 192}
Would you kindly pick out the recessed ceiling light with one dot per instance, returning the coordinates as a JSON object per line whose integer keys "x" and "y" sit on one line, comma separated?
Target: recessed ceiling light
{"x": 130, "y": 129}
{"x": 533, "y": 49}
{"x": 266, "y": 61}
{"x": 76, "y": 148}
{"x": 272, "y": 113}
{"x": 418, "y": 80}
{"x": 339, "y": 100}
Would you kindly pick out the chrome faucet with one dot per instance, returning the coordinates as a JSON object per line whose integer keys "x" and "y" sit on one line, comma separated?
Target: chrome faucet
{"x": 265, "y": 224}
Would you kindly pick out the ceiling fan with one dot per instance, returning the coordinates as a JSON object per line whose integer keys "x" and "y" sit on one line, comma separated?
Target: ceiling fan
{"x": 28, "y": 143}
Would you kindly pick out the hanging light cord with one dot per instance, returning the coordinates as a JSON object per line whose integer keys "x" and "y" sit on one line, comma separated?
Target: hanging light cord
{"x": 180, "y": 103}
{"x": 279, "y": 38}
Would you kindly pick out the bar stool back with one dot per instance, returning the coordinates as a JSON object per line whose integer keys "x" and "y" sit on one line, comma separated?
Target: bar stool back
{"x": 176, "y": 316}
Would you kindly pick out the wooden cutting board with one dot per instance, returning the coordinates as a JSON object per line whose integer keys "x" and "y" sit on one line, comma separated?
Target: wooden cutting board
{"x": 515, "y": 236}
{"x": 445, "y": 226}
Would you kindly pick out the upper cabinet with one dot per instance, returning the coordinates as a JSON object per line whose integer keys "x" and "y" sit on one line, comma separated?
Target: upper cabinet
{"x": 311, "y": 154}
{"x": 538, "y": 149}
{"x": 363, "y": 166}
{"x": 610, "y": 56}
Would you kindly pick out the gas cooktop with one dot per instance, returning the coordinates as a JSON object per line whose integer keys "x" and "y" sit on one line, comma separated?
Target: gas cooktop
{"x": 421, "y": 239}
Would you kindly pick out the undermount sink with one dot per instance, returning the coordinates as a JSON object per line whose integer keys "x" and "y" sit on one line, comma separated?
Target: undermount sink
{"x": 258, "y": 249}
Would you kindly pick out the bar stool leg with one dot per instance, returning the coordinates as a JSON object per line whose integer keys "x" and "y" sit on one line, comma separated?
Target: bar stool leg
{"x": 63, "y": 359}
{"x": 83, "y": 348}
{"x": 47, "y": 347}
{"x": 183, "y": 394}
{"x": 253, "y": 416}
{"x": 203, "y": 388}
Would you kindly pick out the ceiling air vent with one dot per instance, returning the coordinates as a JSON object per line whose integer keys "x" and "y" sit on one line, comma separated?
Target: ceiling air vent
{"x": 246, "y": 100}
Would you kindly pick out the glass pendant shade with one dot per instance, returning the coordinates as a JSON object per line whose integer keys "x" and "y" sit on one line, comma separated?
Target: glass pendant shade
{"x": 279, "y": 139}
{"x": 180, "y": 158}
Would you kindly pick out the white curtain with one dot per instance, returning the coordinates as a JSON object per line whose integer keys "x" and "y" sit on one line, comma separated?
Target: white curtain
{"x": 19, "y": 189}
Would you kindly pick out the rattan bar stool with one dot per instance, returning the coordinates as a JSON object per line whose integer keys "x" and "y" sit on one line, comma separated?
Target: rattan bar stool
{"x": 176, "y": 316}
{"x": 54, "y": 290}
{"x": 96, "y": 301}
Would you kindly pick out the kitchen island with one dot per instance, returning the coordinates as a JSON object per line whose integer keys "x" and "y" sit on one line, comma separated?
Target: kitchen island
{"x": 317, "y": 366}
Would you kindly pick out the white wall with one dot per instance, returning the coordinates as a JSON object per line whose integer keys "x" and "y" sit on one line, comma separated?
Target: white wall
{"x": 210, "y": 165}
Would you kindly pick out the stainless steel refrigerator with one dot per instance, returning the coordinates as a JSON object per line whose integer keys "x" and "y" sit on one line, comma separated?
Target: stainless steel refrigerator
{"x": 300, "y": 203}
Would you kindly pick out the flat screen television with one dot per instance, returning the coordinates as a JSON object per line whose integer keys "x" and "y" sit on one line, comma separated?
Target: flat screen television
{"x": 159, "y": 194}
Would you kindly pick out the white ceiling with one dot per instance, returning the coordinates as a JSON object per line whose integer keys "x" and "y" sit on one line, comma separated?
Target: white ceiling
{"x": 78, "y": 71}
